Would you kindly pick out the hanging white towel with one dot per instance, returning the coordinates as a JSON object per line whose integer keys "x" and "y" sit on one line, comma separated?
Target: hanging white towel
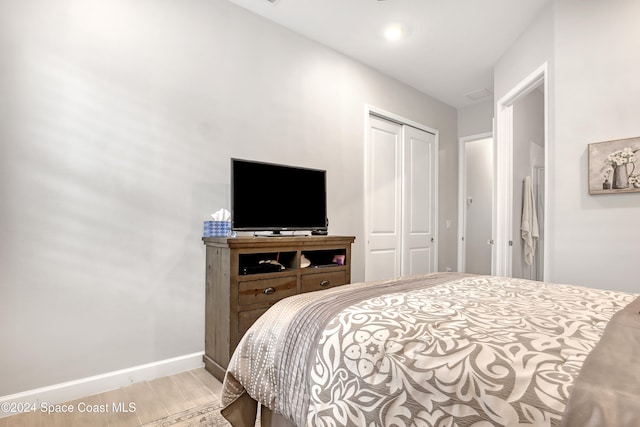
{"x": 529, "y": 227}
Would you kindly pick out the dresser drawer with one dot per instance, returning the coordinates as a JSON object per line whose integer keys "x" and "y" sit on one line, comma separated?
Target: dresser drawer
{"x": 266, "y": 290}
{"x": 323, "y": 280}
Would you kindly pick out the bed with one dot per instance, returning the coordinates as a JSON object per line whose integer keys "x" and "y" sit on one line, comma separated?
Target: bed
{"x": 444, "y": 349}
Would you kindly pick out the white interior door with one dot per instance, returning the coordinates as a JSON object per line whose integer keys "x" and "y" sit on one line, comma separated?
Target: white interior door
{"x": 418, "y": 219}
{"x": 383, "y": 195}
{"x": 400, "y": 190}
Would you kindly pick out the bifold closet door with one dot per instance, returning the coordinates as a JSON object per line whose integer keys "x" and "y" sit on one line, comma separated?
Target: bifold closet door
{"x": 383, "y": 198}
{"x": 419, "y": 202}
{"x": 400, "y": 200}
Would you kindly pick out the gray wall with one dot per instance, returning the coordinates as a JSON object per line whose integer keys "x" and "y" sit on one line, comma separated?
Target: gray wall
{"x": 594, "y": 96}
{"x": 476, "y": 119}
{"x": 597, "y": 95}
{"x": 117, "y": 123}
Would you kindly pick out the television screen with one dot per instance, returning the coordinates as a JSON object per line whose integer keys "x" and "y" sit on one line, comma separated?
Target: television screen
{"x": 272, "y": 197}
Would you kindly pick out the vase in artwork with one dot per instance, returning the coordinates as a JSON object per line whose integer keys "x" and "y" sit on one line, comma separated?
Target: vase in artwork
{"x": 620, "y": 177}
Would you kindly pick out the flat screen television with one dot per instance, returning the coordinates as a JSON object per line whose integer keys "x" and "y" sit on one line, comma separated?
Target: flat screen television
{"x": 274, "y": 197}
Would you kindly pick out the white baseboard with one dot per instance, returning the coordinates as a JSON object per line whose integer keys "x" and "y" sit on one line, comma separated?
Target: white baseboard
{"x": 83, "y": 387}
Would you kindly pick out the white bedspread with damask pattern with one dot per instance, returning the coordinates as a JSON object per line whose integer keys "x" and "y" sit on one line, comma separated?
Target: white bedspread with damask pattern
{"x": 435, "y": 350}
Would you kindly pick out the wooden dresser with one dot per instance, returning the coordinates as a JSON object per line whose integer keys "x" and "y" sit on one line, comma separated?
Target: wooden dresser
{"x": 237, "y": 292}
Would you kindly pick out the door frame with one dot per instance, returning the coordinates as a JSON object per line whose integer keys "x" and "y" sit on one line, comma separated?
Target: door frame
{"x": 503, "y": 226}
{"x": 462, "y": 190}
{"x": 370, "y": 110}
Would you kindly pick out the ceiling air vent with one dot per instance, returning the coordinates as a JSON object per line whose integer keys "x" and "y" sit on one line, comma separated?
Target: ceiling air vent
{"x": 478, "y": 94}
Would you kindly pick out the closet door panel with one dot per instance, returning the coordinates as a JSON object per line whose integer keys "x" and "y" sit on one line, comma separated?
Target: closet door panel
{"x": 418, "y": 237}
{"x": 384, "y": 198}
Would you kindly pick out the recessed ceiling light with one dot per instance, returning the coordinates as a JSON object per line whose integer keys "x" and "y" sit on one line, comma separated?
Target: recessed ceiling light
{"x": 394, "y": 32}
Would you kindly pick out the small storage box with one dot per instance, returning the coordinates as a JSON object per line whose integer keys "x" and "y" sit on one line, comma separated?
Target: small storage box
{"x": 217, "y": 229}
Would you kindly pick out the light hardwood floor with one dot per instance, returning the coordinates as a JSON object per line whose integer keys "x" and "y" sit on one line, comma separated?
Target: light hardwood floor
{"x": 152, "y": 400}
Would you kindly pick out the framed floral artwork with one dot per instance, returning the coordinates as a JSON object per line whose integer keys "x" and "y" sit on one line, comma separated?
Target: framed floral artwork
{"x": 612, "y": 166}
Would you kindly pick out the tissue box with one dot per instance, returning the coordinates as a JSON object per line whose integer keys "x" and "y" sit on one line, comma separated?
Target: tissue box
{"x": 217, "y": 228}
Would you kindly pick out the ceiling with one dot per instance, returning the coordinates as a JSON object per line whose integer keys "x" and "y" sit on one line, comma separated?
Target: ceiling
{"x": 449, "y": 48}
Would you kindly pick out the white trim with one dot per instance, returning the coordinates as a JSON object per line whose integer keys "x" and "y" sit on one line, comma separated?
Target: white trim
{"x": 76, "y": 389}
{"x": 371, "y": 110}
{"x": 502, "y": 264}
{"x": 503, "y": 225}
{"x": 462, "y": 190}
{"x": 398, "y": 119}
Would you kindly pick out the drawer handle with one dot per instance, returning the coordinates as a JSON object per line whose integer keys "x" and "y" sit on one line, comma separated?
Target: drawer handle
{"x": 269, "y": 291}
{"x": 324, "y": 283}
